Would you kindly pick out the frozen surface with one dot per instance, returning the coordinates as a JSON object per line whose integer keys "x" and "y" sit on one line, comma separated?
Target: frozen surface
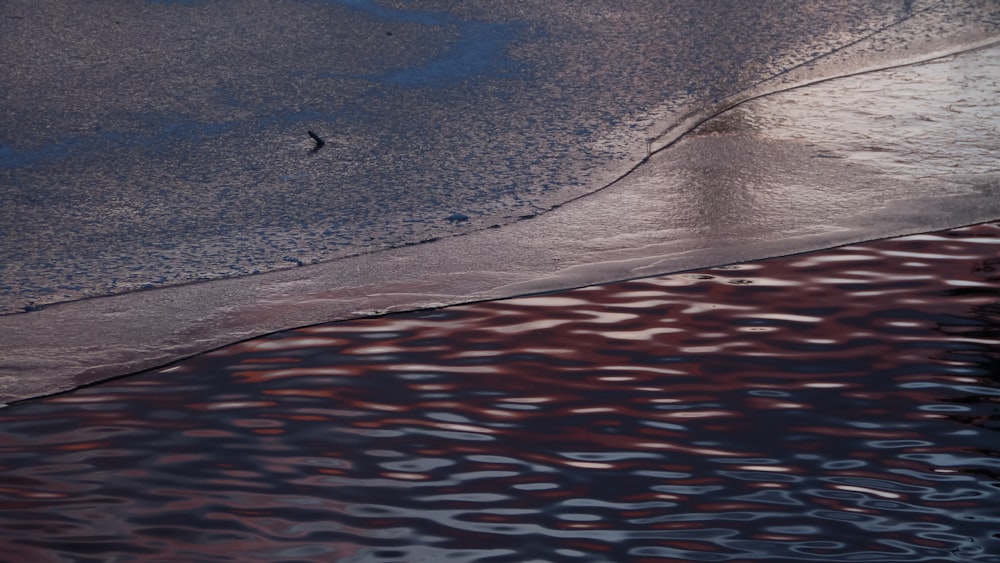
{"x": 195, "y": 165}
{"x": 146, "y": 144}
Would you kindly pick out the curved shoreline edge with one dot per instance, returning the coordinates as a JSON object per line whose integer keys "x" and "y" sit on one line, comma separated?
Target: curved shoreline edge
{"x": 66, "y": 345}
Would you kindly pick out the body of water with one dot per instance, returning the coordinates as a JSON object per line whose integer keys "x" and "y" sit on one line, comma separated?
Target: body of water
{"x": 826, "y": 407}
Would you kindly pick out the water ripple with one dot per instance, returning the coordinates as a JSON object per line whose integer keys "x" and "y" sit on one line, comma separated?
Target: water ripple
{"x": 799, "y": 409}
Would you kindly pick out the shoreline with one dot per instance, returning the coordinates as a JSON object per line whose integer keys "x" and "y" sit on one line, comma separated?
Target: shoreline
{"x": 775, "y": 176}
{"x": 67, "y": 380}
{"x": 775, "y": 408}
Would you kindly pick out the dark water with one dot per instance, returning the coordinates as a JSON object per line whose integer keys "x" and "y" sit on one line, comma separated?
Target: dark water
{"x": 833, "y": 406}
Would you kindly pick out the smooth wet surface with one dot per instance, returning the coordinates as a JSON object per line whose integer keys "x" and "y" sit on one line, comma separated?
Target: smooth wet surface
{"x": 832, "y": 406}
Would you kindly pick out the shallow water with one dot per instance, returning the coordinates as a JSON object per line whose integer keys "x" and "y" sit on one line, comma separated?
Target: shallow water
{"x": 832, "y": 406}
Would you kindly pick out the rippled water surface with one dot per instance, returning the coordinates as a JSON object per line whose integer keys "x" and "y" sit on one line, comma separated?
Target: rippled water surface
{"x": 833, "y": 406}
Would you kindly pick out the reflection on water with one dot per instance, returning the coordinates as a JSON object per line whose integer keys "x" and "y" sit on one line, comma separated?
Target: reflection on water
{"x": 834, "y": 406}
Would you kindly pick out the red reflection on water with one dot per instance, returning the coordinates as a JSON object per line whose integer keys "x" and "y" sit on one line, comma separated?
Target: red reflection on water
{"x": 831, "y": 405}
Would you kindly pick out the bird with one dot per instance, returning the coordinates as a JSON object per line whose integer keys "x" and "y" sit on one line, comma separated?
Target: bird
{"x": 319, "y": 140}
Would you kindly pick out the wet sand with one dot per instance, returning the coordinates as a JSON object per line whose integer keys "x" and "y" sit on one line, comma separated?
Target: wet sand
{"x": 829, "y": 406}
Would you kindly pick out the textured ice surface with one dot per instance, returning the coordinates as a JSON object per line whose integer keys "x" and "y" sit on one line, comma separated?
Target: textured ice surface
{"x": 175, "y": 151}
{"x": 148, "y": 144}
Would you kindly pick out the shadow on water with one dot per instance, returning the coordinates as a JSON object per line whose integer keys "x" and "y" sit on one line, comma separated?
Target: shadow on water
{"x": 833, "y": 406}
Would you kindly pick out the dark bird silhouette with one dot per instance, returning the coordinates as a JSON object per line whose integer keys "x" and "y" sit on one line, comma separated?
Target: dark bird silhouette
{"x": 319, "y": 140}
